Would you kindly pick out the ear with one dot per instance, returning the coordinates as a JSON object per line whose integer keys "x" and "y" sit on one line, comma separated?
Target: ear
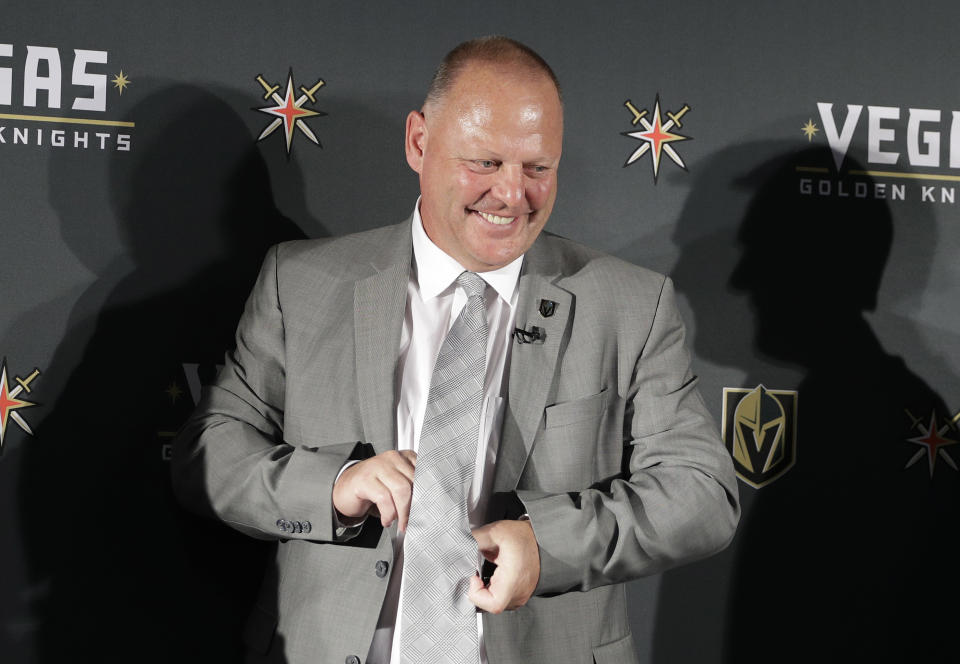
{"x": 415, "y": 141}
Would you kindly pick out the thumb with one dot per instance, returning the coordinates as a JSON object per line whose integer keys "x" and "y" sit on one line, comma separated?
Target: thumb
{"x": 484, "y": 540}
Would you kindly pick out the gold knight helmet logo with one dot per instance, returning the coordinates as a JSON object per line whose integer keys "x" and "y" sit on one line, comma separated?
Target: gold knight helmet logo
{"x": 761, "y": 433}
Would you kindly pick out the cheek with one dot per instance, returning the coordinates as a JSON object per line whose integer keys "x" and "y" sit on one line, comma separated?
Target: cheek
{"x": 468, "y": 185}
{"x": 540, "y": 192}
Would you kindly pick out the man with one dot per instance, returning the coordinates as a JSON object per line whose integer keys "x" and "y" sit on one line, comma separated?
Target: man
{"x": 595, "y": 460}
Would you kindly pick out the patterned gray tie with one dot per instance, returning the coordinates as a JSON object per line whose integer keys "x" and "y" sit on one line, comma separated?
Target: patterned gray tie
{"x": 438, "y": 622}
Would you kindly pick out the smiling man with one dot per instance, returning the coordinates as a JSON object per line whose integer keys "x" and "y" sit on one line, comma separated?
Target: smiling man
{"x": 487, "y": 151}
{"x": 408, "y": 402}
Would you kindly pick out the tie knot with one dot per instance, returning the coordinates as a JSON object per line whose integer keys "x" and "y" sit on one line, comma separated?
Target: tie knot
{"x": 472, "y": 283}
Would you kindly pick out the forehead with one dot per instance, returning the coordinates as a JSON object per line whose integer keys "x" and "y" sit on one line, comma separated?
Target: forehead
{"x": 503, "y": 97}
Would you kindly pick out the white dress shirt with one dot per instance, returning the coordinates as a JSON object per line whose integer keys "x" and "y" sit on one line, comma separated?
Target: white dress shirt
{"x": 433, "y": 303}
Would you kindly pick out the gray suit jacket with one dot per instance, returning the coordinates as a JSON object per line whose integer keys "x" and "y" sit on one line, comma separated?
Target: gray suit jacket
{"x": 605, "y": 441}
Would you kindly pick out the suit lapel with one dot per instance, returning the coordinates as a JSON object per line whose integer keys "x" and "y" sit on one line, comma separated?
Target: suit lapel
{"x": 532, "y": 366}
{"x": 379, "y": 302}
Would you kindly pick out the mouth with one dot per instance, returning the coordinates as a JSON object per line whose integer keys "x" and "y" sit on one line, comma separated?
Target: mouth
{"x": 495, "y": 219}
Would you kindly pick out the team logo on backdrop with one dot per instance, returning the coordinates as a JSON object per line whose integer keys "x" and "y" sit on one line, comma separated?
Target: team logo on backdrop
{"x": 290, "y": 110}
{"x": 61, "y": 97}
{"x": 760, "y": 432}
{"x": 180, "y": 395}
{"x": 657, "y": 135}
{"x": 933, "y": 436}
{"x": 11, "y": 402}
{"x": 912, "y": 153}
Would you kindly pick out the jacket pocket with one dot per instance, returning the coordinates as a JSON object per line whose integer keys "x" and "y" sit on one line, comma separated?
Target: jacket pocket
{"x": 617, "y": 652}
{"x": 259, "y": 631}
{"x": 569, "y": 412}
{"x": 565, "y": 454}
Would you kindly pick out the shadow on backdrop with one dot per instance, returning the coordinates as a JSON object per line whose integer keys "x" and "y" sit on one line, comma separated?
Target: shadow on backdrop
{"x": 120, "y": 572}
{"x": 847, "y": 555}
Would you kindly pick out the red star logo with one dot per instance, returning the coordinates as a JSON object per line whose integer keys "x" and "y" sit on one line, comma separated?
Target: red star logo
{"x": 9, "y": 403}
{"x": 934, "y": 442}
{"x": 289, "y": 111}
{"x": 657, "y": 138}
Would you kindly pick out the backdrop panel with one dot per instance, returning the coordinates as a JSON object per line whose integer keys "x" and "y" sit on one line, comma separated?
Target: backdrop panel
{"x": 807, "y": 211}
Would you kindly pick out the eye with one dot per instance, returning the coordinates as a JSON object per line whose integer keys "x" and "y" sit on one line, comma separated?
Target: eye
{"x": 486, "y": 163}
{"x": 536, "y": 169}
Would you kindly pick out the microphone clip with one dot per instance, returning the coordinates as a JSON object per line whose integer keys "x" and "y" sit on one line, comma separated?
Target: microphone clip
{"x": 528, "y": 337}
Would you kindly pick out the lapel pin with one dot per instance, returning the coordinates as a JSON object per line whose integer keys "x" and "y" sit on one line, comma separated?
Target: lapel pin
{"x": 547, "y": 307}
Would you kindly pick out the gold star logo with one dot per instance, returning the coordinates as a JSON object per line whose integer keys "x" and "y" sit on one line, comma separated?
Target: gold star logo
{"x": 289, "y": 110}
{"x": 810, "y": 129}
{"x": 120, "y": 81}
{"x": 656, "y": 136}
{"x": 173, "y": 391}
{"x": 10, "y": 401}
{"x": 933, "y": 441}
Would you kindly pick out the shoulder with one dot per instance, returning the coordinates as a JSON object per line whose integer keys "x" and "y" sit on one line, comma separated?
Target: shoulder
{"x": 613, "y": 299}
{"x": 347, "y": 257}
{"x": 583, "y": 269}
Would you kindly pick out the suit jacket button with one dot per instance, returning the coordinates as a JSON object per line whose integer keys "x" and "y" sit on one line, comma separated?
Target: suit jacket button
{"x": 382, "y": 566}
{"x": 297, "y": 527}
{"x": 282, "y": 525}
{"x": 352, "y": 659}
{"x": 307, "y": 527}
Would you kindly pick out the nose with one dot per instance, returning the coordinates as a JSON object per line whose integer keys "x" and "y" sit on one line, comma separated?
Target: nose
{"x": 509, "y": 186}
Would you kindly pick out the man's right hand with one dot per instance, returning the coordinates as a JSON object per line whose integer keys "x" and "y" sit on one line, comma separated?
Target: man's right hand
{"x": 381, "y": 485}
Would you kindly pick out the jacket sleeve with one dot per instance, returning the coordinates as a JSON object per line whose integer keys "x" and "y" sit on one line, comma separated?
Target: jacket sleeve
{"x": 676, "y": 500}
{"x": 230, "y": 458}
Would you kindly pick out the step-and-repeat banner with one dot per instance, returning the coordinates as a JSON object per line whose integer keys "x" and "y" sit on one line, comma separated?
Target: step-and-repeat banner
{"x": 794, "y": 167}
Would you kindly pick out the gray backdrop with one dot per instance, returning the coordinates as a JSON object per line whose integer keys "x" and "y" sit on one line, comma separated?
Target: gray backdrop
{"x": 123, "y": 273}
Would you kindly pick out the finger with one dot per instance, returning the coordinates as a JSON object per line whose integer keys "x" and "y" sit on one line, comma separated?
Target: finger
{"x": 476, "y": 585}
{"x": 395, "y": 461}
{"x": 503, "y": 587}
{"x": 401, "y": 491}
{"x": 484, "y": 540}
{"x": 405, "y": 465}
{"x": 479, "y": 596}
{"x": 380, "y": 495}
{"x": 403, "y": 511}
{"x": 410, "y": 456}
{"x": 490, "y": 599}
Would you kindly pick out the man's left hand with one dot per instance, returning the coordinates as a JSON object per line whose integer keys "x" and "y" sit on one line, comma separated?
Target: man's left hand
{"x": 513, "y": 547}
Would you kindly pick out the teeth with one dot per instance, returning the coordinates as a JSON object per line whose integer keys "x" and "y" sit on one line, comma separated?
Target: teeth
{"x": 494, "y": 219}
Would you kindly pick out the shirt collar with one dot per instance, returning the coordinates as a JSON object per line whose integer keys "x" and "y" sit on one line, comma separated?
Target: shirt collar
{"x": 436, "y": 270}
